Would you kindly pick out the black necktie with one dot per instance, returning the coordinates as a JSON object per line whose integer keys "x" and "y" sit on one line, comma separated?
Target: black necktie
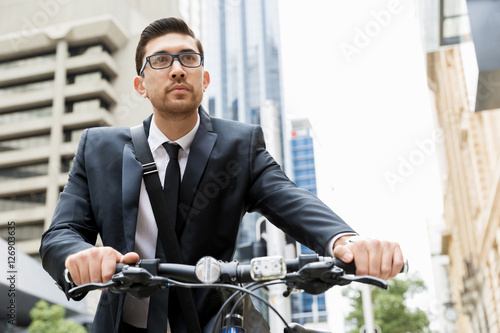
{"x": 180, "y": 301}
{"x": 172, "y": 180}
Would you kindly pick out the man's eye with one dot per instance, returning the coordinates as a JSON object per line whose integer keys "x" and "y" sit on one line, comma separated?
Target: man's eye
{"x": 161, "y": 59}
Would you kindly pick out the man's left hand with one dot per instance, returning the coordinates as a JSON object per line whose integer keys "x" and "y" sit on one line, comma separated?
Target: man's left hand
{"x": 378, "y": 258}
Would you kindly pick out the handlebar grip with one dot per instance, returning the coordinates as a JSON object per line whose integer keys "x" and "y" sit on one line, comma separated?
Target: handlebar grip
{"x": 119, "y": 267}
{"x": 350, "y": 268}
{"x": 406, "y": 267}
{"x": 69, "y": 279}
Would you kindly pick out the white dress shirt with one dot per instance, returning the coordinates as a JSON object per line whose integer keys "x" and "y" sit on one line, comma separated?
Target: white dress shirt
{"x": 135, "y": 311}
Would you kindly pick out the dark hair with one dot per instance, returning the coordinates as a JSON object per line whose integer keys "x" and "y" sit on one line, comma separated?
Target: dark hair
{"x": 159, "y": 28}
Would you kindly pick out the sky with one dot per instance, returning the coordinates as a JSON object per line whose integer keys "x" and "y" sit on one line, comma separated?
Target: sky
{"x": 357, "y": 70}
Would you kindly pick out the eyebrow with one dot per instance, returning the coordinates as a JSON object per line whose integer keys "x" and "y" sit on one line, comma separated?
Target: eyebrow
{"x": 182, "y": 51}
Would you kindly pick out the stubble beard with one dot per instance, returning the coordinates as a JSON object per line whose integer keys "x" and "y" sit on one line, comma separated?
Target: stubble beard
{"x": 177, "y": 109}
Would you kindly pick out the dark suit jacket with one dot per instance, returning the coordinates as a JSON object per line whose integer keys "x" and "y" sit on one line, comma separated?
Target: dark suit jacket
{"x": 229, "y": 172}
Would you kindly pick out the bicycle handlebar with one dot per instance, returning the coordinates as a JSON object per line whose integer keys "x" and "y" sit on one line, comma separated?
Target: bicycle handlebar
{"x": 311, "y": 273}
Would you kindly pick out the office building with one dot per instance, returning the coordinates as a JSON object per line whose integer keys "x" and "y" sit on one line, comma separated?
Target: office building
{"x": 242, "y": 56}
{"x": 66, "y": 66}
{"x": 306, "y": 308}
{"x": 464, "y": 89}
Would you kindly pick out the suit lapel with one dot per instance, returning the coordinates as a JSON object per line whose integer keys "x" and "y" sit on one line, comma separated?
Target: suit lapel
{"x": 201, "y": 149}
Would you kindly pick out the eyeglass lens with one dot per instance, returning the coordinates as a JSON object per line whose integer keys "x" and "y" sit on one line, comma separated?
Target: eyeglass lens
{"x": 165, "y": 60}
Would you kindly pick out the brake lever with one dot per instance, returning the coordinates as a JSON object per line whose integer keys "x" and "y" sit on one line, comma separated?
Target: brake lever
{"x": 136, "y": 281}
{"x": 321, "y": 276}
{"x": 364, "y": 279}
{"x": 132, "y": 274}
{"x": 315, "y": 277}
{"x": 78, "y": 290}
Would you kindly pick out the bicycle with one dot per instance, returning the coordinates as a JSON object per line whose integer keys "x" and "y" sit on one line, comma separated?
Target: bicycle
{"x": 309, "y": 273}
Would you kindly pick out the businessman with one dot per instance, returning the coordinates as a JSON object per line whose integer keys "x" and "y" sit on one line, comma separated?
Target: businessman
{"x": 225, "y": 171}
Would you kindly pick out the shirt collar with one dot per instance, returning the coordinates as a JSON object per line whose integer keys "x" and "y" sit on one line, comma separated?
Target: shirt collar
{"x": 157, "y": 138}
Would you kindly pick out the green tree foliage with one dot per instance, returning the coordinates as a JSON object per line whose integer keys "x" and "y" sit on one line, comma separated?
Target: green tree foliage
{"x": 50, "y": 319}
{"x": 389, "y": 309}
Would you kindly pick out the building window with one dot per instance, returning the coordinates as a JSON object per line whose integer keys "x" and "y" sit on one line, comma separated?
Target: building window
{"x": 72, "y": 135}
{"x": 304, "y": 173}
{"x": 38, "y": 60}
{"x": 308, "y": 182}
{"x": 254, "y": 116}
{"x": 305, "y": 142}
{"x": 27, "y": 87}
{"x": 233, "y": 111}
{"x": 66, "y": 164}
{"x": 211, "y": 106}
{"x": 24, "y": 231}
{"x": 25, "y": 115}
{"x": 303, "y": 163}
{"x": 308, "y": 308}
{"x": 87, "y": 49}
{"x": 25, "y": 143}
{"x": 91, "y": 77}
{"x": 301, "y": 153}
{"x": 454, "y": 22}
{"x": 22, "y": 201}
{"x": 24, "y": 171}
{"x": 85, "y": 105}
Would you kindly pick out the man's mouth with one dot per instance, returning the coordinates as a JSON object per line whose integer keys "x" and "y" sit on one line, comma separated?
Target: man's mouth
{"x": 179, "y": 88}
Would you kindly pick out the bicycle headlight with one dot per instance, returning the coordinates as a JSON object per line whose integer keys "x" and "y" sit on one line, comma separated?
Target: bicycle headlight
{"x": 207, "y": 270}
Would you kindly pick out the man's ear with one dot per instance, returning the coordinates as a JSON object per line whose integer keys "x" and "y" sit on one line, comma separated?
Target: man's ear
{"x": 139, "y": 86}
{"x": 206, "y": 80}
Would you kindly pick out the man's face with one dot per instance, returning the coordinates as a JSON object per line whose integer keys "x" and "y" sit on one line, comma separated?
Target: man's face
{"x": 175, "y": 91}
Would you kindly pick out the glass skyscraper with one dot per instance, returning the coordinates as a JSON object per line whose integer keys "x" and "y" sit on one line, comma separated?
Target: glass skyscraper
{"x": 306, "y": 308}
{"x": 241, "y": 45}
{"x": 242, "y": 54}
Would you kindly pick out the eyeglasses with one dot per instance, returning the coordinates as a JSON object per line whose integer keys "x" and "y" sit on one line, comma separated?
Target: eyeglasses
{"x": 165, "y": 60}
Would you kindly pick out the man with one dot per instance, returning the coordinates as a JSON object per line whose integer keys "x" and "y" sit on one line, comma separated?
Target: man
{"x": 225, "y": 171}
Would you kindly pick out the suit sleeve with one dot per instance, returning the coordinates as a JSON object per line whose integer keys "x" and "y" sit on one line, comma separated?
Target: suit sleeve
{"x": 296, "y": 211}
{"x": 73, "y": 226}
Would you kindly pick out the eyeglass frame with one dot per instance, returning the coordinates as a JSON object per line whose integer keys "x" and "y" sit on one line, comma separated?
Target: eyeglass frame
{"x": 174, "y": 56}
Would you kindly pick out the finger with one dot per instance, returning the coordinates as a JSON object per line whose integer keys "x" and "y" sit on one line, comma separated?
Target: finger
{"x": 82, "y": 259}
{"x": 78, "y": 280}
{"x": 95, "y": 258}
{"x": 387, "y": 264}
{"x": 361, "y": 256}
{"x": 130, "y": 258}
{"x": 398, "y": 261}
{"x": 108, "y": 264}
{"x": 343, "y": 253}
{"x": 72, "y": 267}
{"x": 374, "y": 257}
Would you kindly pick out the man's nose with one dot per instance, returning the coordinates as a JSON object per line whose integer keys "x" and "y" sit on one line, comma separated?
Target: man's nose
{"x": 177, "y": 70}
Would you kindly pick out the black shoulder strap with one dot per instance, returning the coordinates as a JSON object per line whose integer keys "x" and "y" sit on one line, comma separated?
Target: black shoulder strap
{"x": 166, "y": 231}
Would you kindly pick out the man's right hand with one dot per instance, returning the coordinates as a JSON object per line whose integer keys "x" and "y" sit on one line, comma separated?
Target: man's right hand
{"x": 97, "y": 264}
